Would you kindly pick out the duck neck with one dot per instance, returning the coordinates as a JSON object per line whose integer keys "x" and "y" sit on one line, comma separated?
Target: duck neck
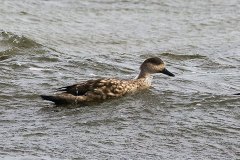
{"x": 143, "y": 74}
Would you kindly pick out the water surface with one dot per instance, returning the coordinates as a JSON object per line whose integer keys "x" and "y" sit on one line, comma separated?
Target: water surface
{"x": 48, "y": 44}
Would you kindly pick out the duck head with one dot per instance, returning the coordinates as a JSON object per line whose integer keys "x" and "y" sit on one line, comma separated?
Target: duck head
{"x": 153, "y": 65}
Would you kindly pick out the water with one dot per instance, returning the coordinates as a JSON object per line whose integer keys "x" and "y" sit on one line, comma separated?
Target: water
{"x": 48, "y": 44}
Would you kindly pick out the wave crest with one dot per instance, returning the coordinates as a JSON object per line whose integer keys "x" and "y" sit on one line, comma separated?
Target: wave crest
{"x": 12, "y": 44}
{"x": 11, "y": 39}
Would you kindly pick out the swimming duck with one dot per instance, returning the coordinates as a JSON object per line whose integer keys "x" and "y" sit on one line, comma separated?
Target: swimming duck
{"x": 107, "y": 88}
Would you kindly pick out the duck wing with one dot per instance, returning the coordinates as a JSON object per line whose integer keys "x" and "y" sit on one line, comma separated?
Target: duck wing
{"x": 81, "y": 88}
{"x": 100, "y": 87}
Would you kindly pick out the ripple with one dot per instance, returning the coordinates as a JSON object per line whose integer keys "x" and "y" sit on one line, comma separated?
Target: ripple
{"x": 183, "y": 56}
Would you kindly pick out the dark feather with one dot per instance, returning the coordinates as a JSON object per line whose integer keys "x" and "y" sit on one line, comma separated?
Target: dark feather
{"x": 63, "y": 98}
{"x": 54, "y": 99}
{"x": 81, "y": 88}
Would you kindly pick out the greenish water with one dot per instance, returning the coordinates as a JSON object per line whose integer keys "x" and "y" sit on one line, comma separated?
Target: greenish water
{"x": 49, "y": 44}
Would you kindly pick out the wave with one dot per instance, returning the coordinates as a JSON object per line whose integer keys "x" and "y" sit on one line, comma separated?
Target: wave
{"x": 183, "y": 56}
{"x": 11, "y": 44}
{"x": 11, "y": 39}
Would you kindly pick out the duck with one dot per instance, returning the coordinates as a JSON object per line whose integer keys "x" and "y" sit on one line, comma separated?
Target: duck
{"x": 102, "y": 89}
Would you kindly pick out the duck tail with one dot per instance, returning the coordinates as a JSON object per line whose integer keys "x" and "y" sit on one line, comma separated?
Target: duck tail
{"x": 60, "y": 99}
{"x": 54, "y": 98}
{"x": 50, "y": 98}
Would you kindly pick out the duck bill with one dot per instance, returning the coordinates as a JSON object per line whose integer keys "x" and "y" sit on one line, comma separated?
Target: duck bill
{"x": 165, "y": 71}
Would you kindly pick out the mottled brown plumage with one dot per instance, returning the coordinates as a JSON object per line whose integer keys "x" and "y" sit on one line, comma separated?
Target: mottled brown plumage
{"x": 102, "y": 89}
